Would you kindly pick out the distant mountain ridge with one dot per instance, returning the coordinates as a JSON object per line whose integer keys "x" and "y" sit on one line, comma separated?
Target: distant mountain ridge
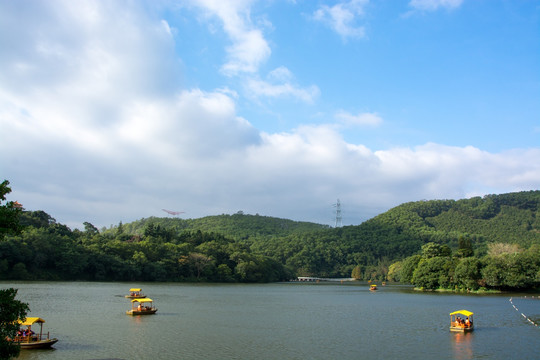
{"x": 251, "y": 248}
{"x": 511, "y": 217}
{"x": 315, "y": 249}
{"x": 237, "y": 226}
{"x": 506, "y": 218}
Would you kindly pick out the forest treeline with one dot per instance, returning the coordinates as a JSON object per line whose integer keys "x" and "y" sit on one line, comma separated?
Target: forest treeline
{"x": 479, "y": 243}
{"x": 482, "y": 242}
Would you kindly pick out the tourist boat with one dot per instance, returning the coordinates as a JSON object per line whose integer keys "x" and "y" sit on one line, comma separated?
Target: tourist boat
{"x": 142, "y": 307}
{"x": 28, "y": 339}
{"x": 135, "y": 294}
{"x": 373, "y": 287}
{"x": 457, "y": 323}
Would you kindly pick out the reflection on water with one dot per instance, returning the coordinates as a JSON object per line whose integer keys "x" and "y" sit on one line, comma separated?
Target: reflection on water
{"x": 271, "y": 321}
{"x": 462, "y": 345}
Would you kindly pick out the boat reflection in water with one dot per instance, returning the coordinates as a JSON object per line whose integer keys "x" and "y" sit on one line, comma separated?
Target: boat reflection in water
{"x": 462, "y": 345}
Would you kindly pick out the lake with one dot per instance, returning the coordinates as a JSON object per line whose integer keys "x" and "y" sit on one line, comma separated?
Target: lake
{"x": 276, "y": 321}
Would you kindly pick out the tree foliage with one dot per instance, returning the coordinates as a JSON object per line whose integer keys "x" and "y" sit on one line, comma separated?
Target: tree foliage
{"x": 9, "y": 212}
{"x": 516, "y": 270}
{"x": 471, "y": 240}
{"x": 10, "y": 311}
{"x": 54, "y": 252}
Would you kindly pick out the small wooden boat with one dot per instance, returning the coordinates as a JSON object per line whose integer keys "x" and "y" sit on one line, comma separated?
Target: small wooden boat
{"x": 135, "y": 294}
{"x": 373, "y": 287}
{"x": 142, "y": 307}
{"x": 28, "y": 339}
{"x": 459, "y": 324}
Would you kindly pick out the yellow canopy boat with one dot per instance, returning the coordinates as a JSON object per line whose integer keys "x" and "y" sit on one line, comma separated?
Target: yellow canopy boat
{"x": 373, "y": 287}
{"x": 142, "y": 307}
{"x": 459, "y": 323}
{"x": 135, "y": 293}
{"x": 28, "y": 339}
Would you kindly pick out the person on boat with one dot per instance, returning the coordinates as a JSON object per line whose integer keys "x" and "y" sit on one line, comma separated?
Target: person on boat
{"x": 467, "y": 323}
{"x": 140, "y": 308}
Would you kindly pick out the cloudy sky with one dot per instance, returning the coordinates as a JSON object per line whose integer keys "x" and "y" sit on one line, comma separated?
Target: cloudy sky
{"x": 114, "y": 110}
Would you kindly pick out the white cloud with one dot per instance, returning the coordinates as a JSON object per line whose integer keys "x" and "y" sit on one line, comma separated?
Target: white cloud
{"x": 249, "y": 47}
{"x": 311, "y": 164}
{"x": 342, "y": 17}
{"x": 280, "y": 83}
{"x": 249, "y": 50}
{"x": 432, "y": 5}
{"x": 362, "y": 119}
{"x": 281, "y": 74}
{"x": 98, "y": 130}
{"x": 167, "y": 28}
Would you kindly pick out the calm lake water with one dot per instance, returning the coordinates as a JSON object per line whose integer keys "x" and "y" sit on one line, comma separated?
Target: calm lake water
{"x": 276, "y": 321}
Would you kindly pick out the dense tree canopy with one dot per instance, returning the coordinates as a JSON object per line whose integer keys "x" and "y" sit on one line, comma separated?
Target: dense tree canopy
{"x": 516, "y": 270}
{"x": 440, "y": 243}
{"x": 11, "y": 310}
{"x": 9, "y": 212}
{"x": 54, "y": 252}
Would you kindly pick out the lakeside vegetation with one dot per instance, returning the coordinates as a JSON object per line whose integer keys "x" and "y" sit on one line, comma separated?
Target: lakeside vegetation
{"x": 486, "y": 243}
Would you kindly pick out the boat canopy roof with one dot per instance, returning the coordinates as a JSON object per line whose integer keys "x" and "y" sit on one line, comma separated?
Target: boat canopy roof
{"x": 134, "y": 289}
{"x": 31, "y": 321}
{"x": 462, "y": 312}
{"x": 142, "y": 300}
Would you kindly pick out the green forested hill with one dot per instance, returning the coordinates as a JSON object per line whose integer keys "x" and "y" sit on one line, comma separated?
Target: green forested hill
{"x": 401, "y": 232}
{"x": 491, "y": 242}
{"x": 507, "y": 218}
{"x": 248, "y": 248}
{"x": 237, "y": 226}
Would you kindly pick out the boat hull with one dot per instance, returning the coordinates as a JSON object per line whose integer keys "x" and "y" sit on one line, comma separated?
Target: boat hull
{"x": 461, "y": 329}
{"x": 145, "y": 312}
{"x": 40, "y": 344}
{"x": 135, "y": 296}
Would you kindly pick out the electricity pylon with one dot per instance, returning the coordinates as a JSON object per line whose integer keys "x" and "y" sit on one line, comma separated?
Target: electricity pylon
{"x": 338, "y": 223}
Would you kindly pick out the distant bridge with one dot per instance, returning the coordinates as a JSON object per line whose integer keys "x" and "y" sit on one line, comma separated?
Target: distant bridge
{"x": 310, "y": 278}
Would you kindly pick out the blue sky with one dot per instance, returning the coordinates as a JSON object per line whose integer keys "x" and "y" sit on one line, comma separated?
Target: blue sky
{"x": 112, "y": 110}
